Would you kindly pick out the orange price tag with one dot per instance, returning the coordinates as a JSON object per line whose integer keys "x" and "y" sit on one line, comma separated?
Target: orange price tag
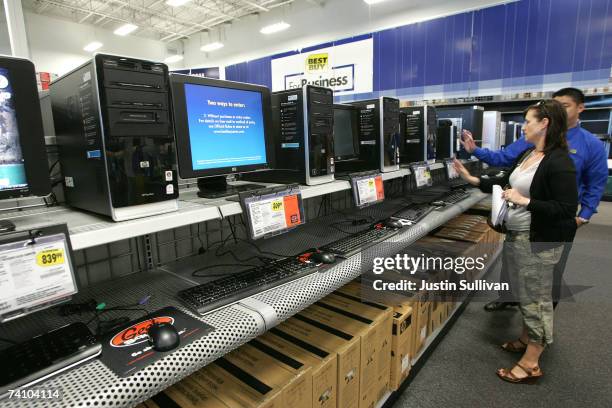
{"x": 292, "y": 210}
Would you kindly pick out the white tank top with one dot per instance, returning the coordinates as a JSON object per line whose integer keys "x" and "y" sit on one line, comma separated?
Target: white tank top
{"x": 518, "y": 218}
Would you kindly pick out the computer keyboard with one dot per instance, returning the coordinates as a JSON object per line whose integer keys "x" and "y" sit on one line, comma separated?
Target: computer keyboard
{"x": 414, "y": 212}
{"x": 40, "y": 357}
{"x": 428, "y": 196}
{"x": 352, "y": 244}
{"x": 454, "y": 196}
{"x": 221, "y": 292}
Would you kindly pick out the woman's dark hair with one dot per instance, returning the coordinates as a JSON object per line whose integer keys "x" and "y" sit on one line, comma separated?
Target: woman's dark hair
{"x": 557, "y": 123}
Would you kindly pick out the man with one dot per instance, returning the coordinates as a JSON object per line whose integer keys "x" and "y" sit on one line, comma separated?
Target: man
{"x": 591, "y": 164}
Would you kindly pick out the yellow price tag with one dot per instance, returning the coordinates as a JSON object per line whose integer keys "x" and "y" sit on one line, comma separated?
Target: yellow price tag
{"x": 50, "y": 257}
{"x": 277, "y": 205}
{"x": 371, "y": 183}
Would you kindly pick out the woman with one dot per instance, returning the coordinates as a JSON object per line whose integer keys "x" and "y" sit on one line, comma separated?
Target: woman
{"x": 542, "y": 189}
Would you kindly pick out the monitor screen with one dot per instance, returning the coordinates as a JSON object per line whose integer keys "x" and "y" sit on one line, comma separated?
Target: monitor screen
{"x": 451, "y": 173}
{"x": 12, "y": 167}
{"x": 23, "y": 159}
{"x": 346, "y": 138}
{"x": 221, "y": 126}
{"x": 422, "y": 175}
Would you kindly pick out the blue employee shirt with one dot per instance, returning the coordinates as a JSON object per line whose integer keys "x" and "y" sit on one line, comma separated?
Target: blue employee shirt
{"x": 589, "y": 158}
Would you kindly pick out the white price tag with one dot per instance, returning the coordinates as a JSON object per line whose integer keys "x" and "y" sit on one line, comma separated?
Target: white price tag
{"x": 368, "y": 189}
{"x": 34, "y": 274}
{"x": 274, "y": 214}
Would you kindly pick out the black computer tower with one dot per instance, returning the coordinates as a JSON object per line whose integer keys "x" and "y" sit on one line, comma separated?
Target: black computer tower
{"x": 464, "y": 117}
{"x": 303, "y": 126}
{"x": 115, "y": 137}
{"x": 447, "y": 140}
{"x": 379, "y": 134}
{"x": 418, "y": 135}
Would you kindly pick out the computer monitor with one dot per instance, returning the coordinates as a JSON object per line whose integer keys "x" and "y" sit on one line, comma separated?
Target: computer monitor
{"x": 422, "y": 175}
{"x": 24, "y": 169}
{"x": 222, "y": 128}
{"x": 346, "y": 133}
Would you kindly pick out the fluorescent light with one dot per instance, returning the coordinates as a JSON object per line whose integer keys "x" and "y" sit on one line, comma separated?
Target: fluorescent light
{"x": 177, "y": 3}
{"x": 92, "y": 46}
{"x": 125, "y": 29}
{"x": 275, "y": 28}
{"x": 373, "y": 1}
{"x": 211, "y": 47}
{"x": 173, "y": 58}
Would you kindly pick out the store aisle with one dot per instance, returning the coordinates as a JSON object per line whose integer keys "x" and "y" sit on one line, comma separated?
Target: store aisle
{"x": 461, "y": 371}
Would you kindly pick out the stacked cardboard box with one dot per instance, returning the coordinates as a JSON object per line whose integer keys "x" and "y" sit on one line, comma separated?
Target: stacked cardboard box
{"x": 371, "y": 322}
{"x": 344, "y": 346}
{"x": 402, "y": 332}
{"x": 255, "y": 375}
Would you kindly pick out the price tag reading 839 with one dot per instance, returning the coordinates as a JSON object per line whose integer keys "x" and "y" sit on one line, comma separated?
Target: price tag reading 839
{"x": 50, "y": 257}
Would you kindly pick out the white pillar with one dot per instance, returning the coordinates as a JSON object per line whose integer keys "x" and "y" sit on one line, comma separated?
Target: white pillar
{"x": 16, "y": 28}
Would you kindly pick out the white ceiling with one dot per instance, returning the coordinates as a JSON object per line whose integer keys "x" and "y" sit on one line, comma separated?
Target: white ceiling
{"x": 155, "y": 18}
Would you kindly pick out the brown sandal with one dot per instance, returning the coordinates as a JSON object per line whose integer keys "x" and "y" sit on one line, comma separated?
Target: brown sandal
{"x": 532, "y": 375}
{"x": 513, "y": 348}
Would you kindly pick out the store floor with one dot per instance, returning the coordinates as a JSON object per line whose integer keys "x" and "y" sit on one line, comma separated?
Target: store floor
{"x": 461, "y": 370}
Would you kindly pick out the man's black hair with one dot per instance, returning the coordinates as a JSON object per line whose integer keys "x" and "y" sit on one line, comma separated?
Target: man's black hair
{"x": 574, "y": 93}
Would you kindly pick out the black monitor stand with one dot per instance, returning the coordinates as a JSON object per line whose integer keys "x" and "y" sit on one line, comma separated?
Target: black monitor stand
{"x": 217, "y": 187}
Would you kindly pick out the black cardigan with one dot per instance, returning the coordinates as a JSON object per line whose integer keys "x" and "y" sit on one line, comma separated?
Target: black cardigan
{"x": 554, "y": 197}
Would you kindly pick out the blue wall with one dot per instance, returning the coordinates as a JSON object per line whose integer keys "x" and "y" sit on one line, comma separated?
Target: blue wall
{"x": 529, "y": 45}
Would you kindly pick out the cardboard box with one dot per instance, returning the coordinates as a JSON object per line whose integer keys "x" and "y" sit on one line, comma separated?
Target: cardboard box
{"x": 272, "y": 367}
{"x": 402, "y": 332}
{"x": 249, "y": 377}
{"x": 324, "y": 365}
{"x": 382, "y": 317}
{"x": 372, "y": 339}
{"x": 346, "y": 348}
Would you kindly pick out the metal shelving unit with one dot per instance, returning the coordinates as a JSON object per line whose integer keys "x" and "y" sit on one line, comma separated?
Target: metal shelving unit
{"x": 93, "y": 384}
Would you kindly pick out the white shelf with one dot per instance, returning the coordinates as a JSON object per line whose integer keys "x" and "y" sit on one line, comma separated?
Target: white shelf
{"x": 88, "y": 230}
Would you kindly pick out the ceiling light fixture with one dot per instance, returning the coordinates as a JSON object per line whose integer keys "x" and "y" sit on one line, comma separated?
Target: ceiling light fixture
{"x": 211, "y": 47}
{"x": 177, "y": 3}
{"x": 173, "y": 58}
{"x": 92, "y": 46}
{"x": 125, "y": 29}
{"x": 275, "y": 28}
{"x": 370, "y": 2}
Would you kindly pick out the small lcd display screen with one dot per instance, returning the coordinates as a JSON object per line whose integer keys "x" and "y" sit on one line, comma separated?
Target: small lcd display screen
{"x": 451, "y": 173}
{"x": 12, "y": 167}
{"x": 226, "y": 127}
{"x": 422, "y": 175}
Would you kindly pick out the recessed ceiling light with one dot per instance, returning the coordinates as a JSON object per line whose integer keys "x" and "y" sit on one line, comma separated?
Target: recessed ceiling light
{"x": 211, "y": 47}
{"x": 173, "y": 58}
{"x": 374, "y": 1}
{"x": 275, "y": 28}
{"x": 177, "y": 3}
{"x": 125, "y": 29}
{"x": 92, "y": 46}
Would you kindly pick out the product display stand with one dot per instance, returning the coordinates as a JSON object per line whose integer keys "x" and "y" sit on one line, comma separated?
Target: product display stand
{"x": 93, "y": 384}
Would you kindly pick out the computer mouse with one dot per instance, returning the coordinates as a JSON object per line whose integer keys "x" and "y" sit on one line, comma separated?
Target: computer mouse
{"x": 324, "y": 257}
{"x": 163, "y": 336}
{"x": 391, "y": 223}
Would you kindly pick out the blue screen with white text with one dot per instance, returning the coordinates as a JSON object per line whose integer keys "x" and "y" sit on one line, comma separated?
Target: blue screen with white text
{"x": 226, "y": 127}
